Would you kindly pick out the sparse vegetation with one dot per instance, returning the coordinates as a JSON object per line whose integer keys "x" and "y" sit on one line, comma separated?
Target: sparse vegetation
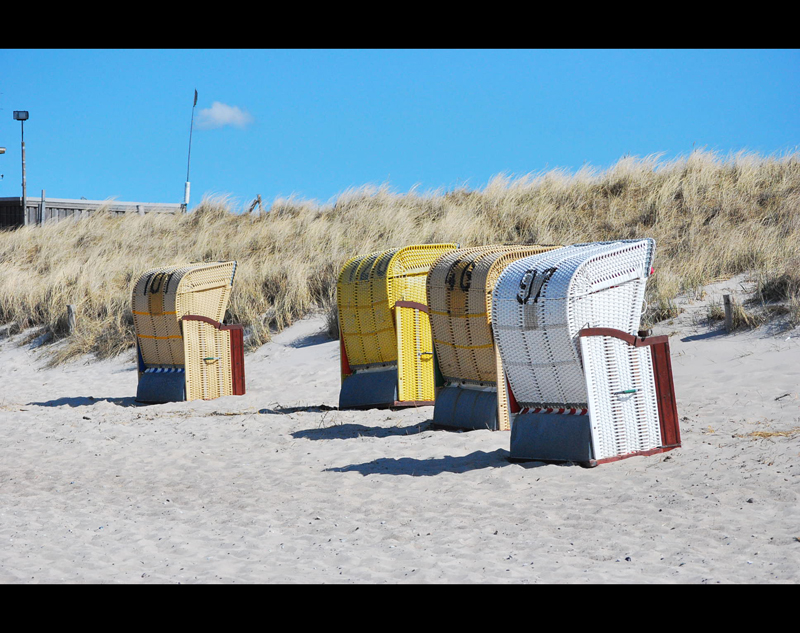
{"x": 740, "y": 317}
{"x": 711, "y": 217}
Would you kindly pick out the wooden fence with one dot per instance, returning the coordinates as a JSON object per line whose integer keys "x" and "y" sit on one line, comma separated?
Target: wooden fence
{"x": 41, "y": 210}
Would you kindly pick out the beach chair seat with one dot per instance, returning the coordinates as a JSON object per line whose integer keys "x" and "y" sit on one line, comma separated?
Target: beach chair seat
{"x": 386, "y": 349}
{"x": 459, "y": 290}
{"x": 566, "y": 325}
{"x": 184, "y": 351}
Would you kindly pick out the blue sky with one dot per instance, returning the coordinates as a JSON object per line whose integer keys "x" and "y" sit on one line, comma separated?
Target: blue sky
{"x": 315, "y": 122}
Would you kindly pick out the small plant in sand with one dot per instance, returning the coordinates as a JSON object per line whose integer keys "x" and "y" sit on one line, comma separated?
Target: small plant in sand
{"x": 741, "y": 317}
{"x": 778, "y": 290}
{"x": 715, "y": 312}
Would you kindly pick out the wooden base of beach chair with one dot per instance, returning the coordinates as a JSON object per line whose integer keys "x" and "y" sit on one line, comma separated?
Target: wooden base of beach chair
{"x": 549, "y": 438}
{"x": 374, "y": 390}
{"x": 369, "y": 389}
{"x": 463, "y": 408}
{"x": 558, "y": 438}
{"x": 160, "y": 385}
{"x": 552, "y": 437}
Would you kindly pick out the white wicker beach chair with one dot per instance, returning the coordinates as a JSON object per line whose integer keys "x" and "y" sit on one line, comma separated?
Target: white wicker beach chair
{"x": 566, "y": 324}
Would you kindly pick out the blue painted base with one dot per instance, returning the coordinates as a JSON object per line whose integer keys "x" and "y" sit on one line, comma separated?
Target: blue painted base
{"x": 363, "y": 390}
{"x": 468, "y": 409}
{"x": 551, "y": 437}
{"x": 159, "y": 385}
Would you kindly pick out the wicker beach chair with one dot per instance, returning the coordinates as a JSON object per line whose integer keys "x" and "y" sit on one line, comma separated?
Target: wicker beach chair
{"x": 385, "y": 340}
{"x": 588, "y": 389}
{"x": 184, "y": 351}
{"x": 459, "y": 285}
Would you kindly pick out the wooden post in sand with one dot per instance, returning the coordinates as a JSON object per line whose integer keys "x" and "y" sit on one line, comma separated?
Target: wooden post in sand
{"x": 70, "y": 318}
{"x": 726, "y": 300}
{"x": 257, "y": 203}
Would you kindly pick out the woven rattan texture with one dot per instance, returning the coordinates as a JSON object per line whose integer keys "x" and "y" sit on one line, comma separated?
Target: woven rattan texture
{"x": 541, "y": 302}
{"x": 368, "y": 287}
{"x": 208, "y": 366}
{"x": 416, "y": 377}
{"x": 365, "y": 315}
{"x": 621, "y": 395}
{"x": 162, "y": 296}
{"x": 459, "y": 290}
{"x": 375, "y": 331}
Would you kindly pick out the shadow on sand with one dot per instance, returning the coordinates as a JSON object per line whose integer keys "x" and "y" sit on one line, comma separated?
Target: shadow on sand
{"x": 351, "y": 431}
{"x": 308, "y": 408}
{"x": 83, "y": 401}
{"x": 433, "y": 467}
{"x": 700, "y": 337}
{"x": 317, "y": 338}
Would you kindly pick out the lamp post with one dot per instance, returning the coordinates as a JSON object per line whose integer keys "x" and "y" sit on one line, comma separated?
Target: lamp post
{"x": 22, "y": 116}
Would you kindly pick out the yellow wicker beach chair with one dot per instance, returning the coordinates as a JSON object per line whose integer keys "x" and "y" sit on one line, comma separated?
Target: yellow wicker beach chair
{"x": 184, "y": 351}
{"x": 459, "y": 289}
{"x": 386, "y": 349}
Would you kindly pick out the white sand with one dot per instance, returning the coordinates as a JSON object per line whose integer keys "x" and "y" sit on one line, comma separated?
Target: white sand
{"x": 279, "y": 487}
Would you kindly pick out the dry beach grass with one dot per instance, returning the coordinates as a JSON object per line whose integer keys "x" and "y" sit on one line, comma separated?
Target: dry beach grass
{"x": 712, "y": 217}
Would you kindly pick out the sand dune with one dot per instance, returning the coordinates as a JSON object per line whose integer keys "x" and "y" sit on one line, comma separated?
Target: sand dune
{"x": 278, "y": 486}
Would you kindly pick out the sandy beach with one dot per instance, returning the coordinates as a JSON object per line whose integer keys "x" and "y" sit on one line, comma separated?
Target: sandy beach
{"x": 278, "y": 486}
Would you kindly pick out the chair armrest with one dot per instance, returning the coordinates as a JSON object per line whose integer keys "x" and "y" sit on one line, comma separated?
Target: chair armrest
{"x": 630, "y": 339}
{"x": 210, "y": 321}
{"x": 412, "y": 304}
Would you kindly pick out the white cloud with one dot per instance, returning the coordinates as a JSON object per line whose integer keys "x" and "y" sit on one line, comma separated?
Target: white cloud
{"x": 220, "y": 115}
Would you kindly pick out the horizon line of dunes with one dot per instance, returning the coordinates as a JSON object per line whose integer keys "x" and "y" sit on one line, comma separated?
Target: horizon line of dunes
{"x": 712, "y": 217}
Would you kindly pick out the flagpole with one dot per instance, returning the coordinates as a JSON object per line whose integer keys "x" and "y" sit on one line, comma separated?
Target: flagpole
{"x": 189, "y": 160}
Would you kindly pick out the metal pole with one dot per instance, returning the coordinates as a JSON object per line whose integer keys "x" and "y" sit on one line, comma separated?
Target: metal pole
{"x": 24, "y": 186}
{"x": 189, "y": 160}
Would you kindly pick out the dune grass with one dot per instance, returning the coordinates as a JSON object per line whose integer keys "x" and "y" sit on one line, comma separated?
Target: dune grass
{"x": 711, "y": 216}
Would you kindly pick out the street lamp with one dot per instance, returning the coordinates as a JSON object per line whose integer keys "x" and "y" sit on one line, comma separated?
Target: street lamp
{"x": 22, "y": 116}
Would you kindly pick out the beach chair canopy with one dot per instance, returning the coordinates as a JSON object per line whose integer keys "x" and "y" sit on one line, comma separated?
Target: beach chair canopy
{"x": 181, "y": 341}
{"x": 459, "y": 291}
{"x": 542, "y": 302}
{"x": 384, "y": 327}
